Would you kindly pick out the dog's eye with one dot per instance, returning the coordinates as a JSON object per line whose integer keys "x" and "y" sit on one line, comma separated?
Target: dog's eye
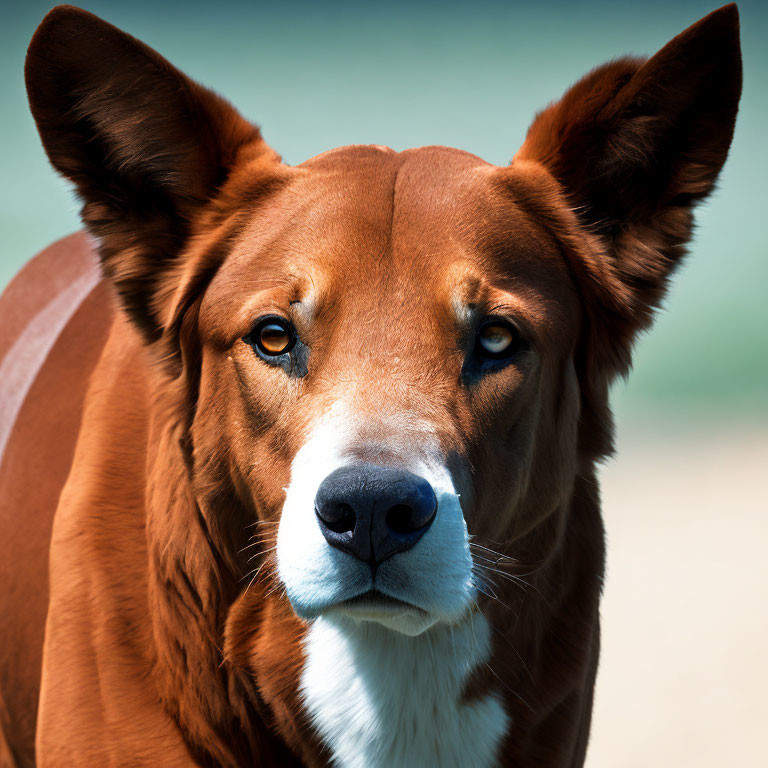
{"x": 274, "y": 339}
{"x": 497, "y": 339}
{"x": 273, "y": 336}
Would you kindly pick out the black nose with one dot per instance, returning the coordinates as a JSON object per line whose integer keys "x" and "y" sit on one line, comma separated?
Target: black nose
{"x": 374, "y": 512}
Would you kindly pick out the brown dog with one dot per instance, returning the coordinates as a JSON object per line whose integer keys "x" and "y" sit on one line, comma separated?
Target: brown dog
{"x": 321, "y": 445}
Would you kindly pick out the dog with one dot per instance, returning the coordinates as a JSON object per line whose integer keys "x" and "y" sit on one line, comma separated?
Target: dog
{"x": 299, "y": 463}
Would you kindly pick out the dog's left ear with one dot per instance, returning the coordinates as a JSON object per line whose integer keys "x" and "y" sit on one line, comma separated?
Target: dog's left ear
{"x": 635, "y": 145}
{"x": 146, "y": 147}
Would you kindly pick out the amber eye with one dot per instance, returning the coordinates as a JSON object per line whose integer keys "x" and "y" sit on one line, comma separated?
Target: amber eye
{"x": 273, "y": 336}
{"x": 497, "y": 339}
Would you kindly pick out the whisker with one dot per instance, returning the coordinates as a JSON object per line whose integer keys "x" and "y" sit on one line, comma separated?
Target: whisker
{"x": 493, "y": 560}
{"x": 262, "y": 522}
{"x": 506, "y": 576}
{"x": 517, "y": 580}
{"x": 257, "y": 543}
{"x": 493, "y": 552}
{"x": 492, "y": 595}
{"x": 506, "y": 685}
{"x": 509, "y": 643}
{"x": 262, "y": 552}
{"x": 255, "y": 576}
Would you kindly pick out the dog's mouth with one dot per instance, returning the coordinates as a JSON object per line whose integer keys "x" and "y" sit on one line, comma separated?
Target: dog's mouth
{"x": 374, "y": 606}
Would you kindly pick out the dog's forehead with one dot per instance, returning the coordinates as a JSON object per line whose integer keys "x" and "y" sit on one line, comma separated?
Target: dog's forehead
{"x": 434, "y": 182}
{"x": 376, "y": 186}
{"x": 438, "y": 193}
{"x": 348, "y": 156}
{"x": 425, "y": 225}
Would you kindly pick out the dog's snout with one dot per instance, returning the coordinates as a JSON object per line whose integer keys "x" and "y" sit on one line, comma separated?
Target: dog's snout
{"x": 373, "y": 512}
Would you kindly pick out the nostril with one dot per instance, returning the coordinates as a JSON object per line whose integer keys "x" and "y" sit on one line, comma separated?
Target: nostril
{"x": 339, "y": 518}
{"x": 400, "y": 519}
{"x": 416, "y": 508}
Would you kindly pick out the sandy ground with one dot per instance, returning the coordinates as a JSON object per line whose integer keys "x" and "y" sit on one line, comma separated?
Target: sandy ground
{"x": 683, "y": 677}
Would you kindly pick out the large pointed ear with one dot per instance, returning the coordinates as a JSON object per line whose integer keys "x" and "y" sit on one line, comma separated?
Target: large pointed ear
{"x": 635, "y": 145}
{"x": 145, "y": 146}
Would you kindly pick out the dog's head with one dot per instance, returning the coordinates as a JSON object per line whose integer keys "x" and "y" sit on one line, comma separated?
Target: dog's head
{"x": 389, "y": 361}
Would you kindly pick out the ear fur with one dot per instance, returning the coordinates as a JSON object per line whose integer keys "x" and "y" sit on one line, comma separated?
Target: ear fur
{"x": 635, "y": 145}
{"x": 145, "y": 146}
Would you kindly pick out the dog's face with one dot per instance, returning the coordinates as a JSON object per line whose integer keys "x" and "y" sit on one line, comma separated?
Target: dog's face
{"x": 388, "y": 361}
{"x": 392, "y": 374}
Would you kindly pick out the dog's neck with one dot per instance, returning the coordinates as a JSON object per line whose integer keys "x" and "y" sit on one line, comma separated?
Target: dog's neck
{"x": 381, "y": 698}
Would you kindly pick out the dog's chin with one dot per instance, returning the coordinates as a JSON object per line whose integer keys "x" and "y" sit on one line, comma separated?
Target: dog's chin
{"x": 362, "y": 605}
{"x": 376, "y": 608}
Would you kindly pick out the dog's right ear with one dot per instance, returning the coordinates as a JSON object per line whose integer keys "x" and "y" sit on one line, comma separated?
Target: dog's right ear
{"x": 635, "y": 145}
{"x": 145, "y": 146}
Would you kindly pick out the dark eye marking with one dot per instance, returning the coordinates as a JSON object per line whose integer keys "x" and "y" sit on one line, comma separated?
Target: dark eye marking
{"x": 497, "y": 342}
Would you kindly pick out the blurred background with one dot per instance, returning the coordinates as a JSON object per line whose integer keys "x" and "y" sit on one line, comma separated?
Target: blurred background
{"x": 683, "y": 674}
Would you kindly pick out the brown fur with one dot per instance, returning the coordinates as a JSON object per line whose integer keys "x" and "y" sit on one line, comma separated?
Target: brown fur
{"x": 157, "y": 650}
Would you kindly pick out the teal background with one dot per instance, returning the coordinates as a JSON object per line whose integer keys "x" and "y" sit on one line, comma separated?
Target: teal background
{"x": 470, "y": 75}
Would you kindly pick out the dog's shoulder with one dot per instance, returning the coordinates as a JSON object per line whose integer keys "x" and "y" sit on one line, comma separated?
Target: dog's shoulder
{"x": 55, "y": 314}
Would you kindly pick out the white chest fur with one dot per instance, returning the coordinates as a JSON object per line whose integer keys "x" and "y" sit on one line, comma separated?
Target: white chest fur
{"x": 380, "y": 698}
